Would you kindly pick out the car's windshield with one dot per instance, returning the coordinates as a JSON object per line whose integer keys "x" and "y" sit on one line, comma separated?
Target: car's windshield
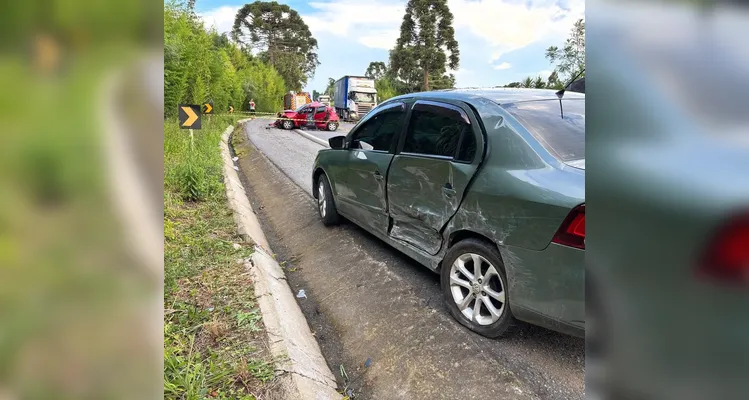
{"x": 300, "y": 109}
{"x": 562, "y": 137}
{"x": 364, "y": 97}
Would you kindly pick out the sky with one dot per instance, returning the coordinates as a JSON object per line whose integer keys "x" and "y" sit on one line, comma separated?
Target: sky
{"x": 500, "y": 41}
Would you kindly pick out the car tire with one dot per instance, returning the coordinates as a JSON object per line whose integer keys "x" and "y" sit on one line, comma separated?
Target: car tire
{"x": 491, "y": 286}
{"x": 325, "y": 203}
{"x": 287, "y": 124}
{"x": 332, "y": 126}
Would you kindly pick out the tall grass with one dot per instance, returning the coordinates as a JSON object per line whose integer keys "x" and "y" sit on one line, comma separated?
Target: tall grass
{"x": 192, "y": 165}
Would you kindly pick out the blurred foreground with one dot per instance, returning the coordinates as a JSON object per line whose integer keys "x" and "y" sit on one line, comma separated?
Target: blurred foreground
{"x": 667, "y": 194}
{"x": 80, "y": 227}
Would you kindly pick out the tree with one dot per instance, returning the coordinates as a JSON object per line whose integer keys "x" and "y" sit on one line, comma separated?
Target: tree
{"x": 570, "y": 60}
{"x": 331, "y": 84}
{"x": 315, "y": 95}
{"x": 376, "y": 70}
{"x": 539, "y": 83}
{"x": 200, "y": 65}
{"x": 281, "y": 36}
{"x": 553, "y": 82}
{"x": 426, "y": 36}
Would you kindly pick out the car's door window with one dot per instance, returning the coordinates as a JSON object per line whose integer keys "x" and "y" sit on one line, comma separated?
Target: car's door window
{"x": 436, "y": 131}
{"x": 378, "y": 132}
{"x": 320, "y": 110}
{"x": 467, "y": 150}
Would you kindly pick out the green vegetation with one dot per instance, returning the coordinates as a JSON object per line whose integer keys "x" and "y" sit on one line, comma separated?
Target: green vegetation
{"x": 213, "y": 340}
{"x": 213, "y": 336}
{"x": 201, "y": 66}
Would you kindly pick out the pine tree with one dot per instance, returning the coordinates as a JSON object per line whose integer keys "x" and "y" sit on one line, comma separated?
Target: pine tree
{"x": 420, "y": 54}
{"x": 282, "y": 37}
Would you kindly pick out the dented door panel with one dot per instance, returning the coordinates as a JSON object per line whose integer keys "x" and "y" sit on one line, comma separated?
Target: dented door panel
{"x": 365, "y": 183}
{"x": 424, "y": 193}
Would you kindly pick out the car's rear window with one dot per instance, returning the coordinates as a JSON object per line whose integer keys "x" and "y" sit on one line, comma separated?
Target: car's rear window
{"x": 562, "y": 137}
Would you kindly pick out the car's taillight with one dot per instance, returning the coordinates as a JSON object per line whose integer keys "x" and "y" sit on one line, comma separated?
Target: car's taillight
{"x": 572, "y": 231}
{"x": 727, "y": 255}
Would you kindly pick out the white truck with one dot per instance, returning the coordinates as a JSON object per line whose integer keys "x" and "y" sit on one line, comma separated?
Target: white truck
{"x": 324, "y": 99}
{"x": 354, "y": 97}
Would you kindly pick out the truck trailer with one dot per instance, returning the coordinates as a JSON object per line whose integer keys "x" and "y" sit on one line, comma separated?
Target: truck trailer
{"x": 354, "y": 97}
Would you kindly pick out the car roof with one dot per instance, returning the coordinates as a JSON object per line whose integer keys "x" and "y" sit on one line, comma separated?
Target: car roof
{"x": 497, "y": 95}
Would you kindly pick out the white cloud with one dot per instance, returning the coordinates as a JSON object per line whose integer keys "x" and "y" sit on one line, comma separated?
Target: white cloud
{"x": 509, "y": 26}
{"x": 374, "y": 23}
{"x": 221, "y": 18}
{"x": 504, "y": 65}
{"x": 543, "y": 74}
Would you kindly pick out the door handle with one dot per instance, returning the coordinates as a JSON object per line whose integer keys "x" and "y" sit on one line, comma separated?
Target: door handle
{"x": 448, "y": 190}
{"x": 378, "y": 175}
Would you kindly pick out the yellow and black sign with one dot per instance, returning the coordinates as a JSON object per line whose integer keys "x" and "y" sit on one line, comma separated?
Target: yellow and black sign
{"x": 208, "y": 108}
{"x": 189, "y": 116}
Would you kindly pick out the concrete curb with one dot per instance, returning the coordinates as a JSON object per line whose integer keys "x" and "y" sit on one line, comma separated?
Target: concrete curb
{"x": 312, "y": 138}
{"x": 294, "y": 348}
{"x": 244, "y": 216}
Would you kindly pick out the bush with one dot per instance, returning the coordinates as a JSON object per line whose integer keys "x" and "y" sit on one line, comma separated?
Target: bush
{"x": 191, "y": 181}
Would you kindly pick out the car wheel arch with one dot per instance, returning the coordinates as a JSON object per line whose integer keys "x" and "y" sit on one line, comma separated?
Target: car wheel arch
{"x": 463, "y": 234}
{"x": 316, "y": 179}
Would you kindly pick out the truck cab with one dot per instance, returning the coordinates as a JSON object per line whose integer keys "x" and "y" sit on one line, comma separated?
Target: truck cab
{"x": 354, "y": 97}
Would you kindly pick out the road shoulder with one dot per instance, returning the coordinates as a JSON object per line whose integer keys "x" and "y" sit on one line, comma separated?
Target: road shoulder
{"x": 291, "y": 342}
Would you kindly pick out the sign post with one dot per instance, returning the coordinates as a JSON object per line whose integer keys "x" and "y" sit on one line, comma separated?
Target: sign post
{"x": 208, "y": 109}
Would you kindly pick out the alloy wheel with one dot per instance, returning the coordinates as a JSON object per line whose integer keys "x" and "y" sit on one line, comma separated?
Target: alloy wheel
{"x": 477, "y": 288}
{"x": 288, "y": 124}
{"x": 322, "y": 202}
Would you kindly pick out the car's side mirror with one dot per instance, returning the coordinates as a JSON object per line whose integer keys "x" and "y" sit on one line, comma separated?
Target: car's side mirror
{"x": 337, "y": 143}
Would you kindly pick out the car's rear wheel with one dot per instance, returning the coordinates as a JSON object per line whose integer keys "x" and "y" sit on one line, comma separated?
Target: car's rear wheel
{"x": 288, "y": 124}
{"x": 325, "y": 203}
{"x": 474, "y": 284}
{"x": 332, "y": 126}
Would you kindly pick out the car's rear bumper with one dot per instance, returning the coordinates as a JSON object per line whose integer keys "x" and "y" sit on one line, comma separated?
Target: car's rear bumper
{"x": 547, "y": 287}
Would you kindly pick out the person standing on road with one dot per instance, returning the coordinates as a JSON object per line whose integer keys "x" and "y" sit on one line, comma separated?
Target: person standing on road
{"x": 252, "y": 107}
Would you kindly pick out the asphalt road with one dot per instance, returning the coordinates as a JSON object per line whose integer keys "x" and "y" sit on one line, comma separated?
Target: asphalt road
{"x": 365, "y": 300}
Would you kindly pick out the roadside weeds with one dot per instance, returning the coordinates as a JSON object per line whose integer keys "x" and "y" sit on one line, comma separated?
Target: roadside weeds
{"x": 214, "y": 340}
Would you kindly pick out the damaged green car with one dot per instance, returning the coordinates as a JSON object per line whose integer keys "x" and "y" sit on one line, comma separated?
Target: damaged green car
{"x": 485, "y": 187}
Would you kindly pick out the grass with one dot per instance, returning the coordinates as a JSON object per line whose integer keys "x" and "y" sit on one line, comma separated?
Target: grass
{"x": 214, "y": 344}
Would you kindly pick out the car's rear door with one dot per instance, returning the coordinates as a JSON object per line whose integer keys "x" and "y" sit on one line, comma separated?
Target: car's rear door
{"x": 320, "y": 117}
{"x": 436, "y": 159}
{"x": 360, "y": 186}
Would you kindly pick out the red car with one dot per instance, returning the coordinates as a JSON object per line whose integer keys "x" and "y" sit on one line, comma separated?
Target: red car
{"x": 313, "y": 114}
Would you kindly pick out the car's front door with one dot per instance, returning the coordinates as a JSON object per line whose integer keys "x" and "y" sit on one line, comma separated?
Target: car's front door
{"x": 436, "y": 159}
{"x": 360, "y": 186}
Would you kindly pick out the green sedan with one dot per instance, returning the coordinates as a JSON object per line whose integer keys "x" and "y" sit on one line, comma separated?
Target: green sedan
{"x": 485, "y": 187}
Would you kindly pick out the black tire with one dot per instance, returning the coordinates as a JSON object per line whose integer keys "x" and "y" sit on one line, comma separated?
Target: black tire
{"x": 325, "y": 203}
{"x": 504, "y": 324}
